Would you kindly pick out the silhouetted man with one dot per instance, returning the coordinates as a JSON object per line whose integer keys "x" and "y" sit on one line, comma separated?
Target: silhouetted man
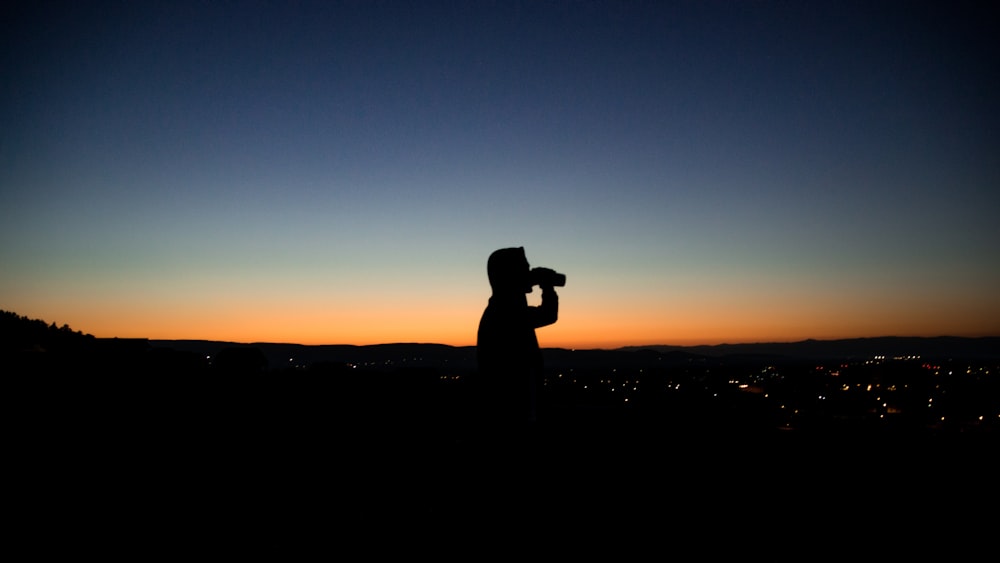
{"x": 510, "y": 361}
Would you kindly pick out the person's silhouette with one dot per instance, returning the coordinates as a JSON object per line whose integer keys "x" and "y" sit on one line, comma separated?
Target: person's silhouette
{"x": 509, "y": 359}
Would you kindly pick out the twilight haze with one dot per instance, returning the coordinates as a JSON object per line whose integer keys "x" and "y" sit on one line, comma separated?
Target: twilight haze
{"x": 339, "y": 172}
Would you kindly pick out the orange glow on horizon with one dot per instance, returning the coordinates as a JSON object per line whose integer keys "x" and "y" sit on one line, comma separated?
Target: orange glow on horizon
{"x": 458, "y": 331}
{"x": 585, "y": 322}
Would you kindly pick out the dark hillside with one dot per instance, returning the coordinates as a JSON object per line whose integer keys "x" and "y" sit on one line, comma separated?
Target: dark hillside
{"x": 224, "y": 435}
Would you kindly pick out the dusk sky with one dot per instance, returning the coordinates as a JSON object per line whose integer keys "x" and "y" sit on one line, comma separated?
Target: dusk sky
{"x": 339, "y": 172}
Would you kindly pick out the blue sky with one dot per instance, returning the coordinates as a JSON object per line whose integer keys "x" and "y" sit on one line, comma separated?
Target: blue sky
{"x": 338, "y": 172}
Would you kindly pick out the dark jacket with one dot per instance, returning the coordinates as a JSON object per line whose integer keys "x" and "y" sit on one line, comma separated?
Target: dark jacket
{"x": 509, "y": 359}
{"x": 506, "y": 342}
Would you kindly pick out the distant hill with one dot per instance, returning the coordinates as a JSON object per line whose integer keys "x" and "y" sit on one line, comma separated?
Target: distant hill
{"x": 853, "y": 348}
{"x": 399, "y": 355}
{"x": 18, "y": 333}
{"x": 395, "y": 355}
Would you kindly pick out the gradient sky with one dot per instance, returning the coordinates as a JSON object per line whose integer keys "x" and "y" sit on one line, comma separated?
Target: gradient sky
{"x": 339, "y": 172}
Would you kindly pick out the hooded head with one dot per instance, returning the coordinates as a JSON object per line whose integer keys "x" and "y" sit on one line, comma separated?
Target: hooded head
{"x": 508, "y": 270}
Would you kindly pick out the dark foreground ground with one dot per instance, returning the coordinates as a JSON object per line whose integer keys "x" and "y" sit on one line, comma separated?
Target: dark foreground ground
{"x": 108, "y": 464}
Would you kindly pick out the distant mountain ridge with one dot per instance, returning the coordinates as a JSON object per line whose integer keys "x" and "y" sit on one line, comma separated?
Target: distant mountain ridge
{"x": 422, "y": 354}
{"x": 853, "y": 348}
{"x": 19, "y": 333}
{"x": 293, "y": 355}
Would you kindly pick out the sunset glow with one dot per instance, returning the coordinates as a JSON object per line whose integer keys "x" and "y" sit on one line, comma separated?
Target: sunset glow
{"x": 701, "y": 173}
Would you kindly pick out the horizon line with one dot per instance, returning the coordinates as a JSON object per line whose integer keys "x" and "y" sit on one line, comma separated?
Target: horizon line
{"x": 623, "y": 346}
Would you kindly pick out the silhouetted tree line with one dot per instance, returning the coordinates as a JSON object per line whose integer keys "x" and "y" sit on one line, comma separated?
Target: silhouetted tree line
{"x": 19, "y": 333}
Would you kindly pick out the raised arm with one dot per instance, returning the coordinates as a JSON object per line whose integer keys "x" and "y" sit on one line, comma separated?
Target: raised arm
{"x": 547, "y": 312}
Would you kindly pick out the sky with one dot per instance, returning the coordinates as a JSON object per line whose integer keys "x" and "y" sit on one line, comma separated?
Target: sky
{"x": 332, "y": 172}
